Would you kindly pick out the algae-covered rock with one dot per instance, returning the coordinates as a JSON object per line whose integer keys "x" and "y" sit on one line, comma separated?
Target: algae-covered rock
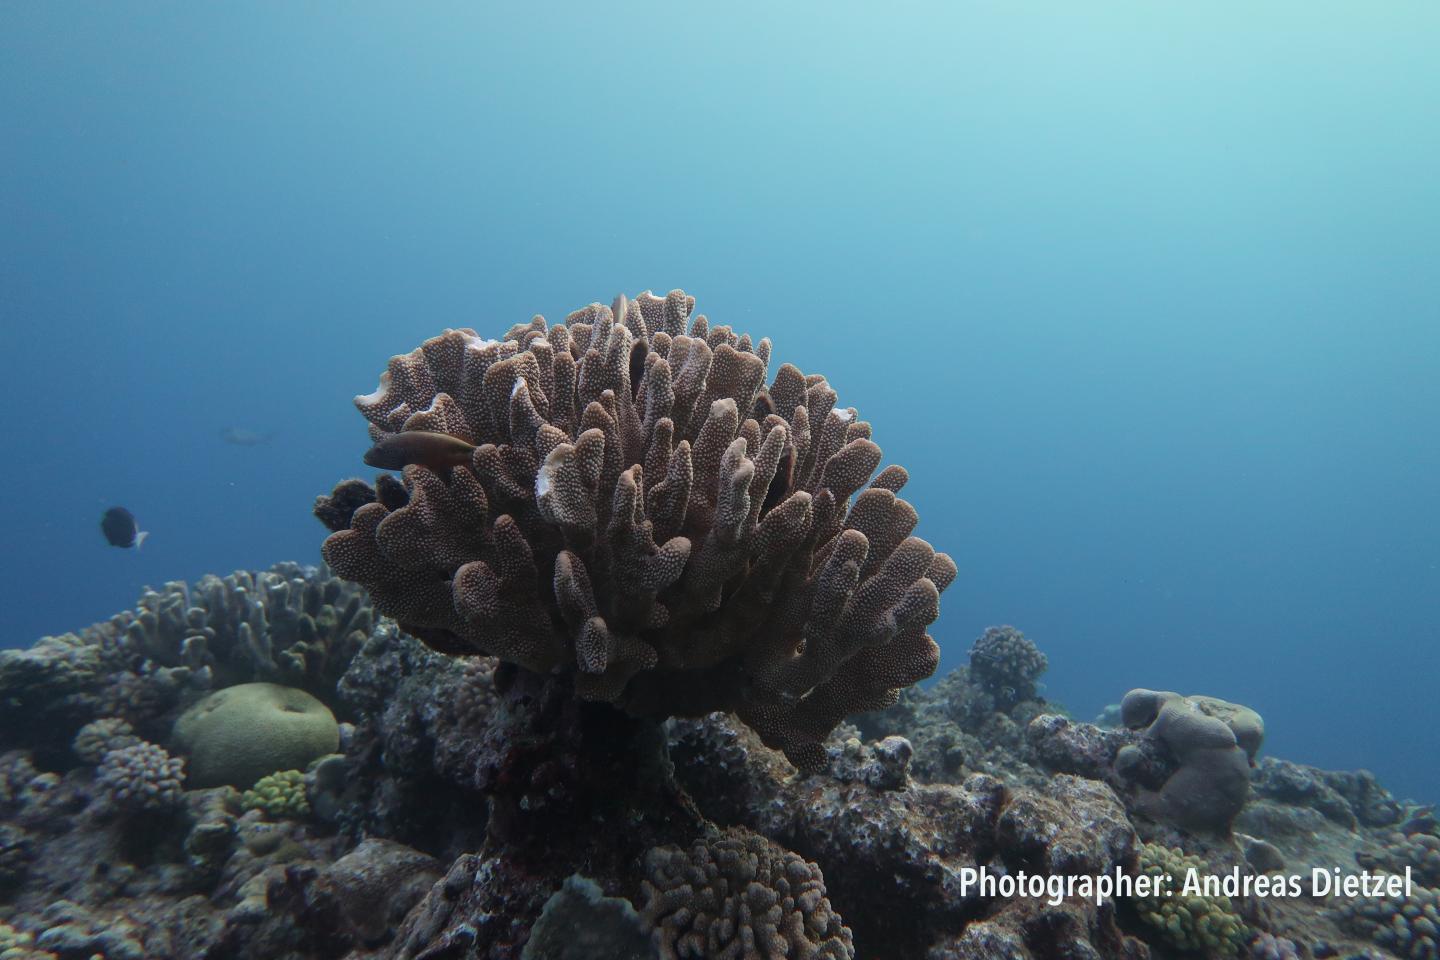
{"x": 242, "y": 733}
{"x": 579, "y": 922}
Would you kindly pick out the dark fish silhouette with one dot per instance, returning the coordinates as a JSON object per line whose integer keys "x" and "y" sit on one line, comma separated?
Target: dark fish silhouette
{"x": 639, "y": 350}
{"x": 120, "y": 528}
{"x": 243, "y": 437}
{"x": 779, "y": 487}
{"x": 438, "y": 451}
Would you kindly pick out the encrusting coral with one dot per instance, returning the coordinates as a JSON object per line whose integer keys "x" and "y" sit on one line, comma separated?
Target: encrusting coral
{"x": 621, "y": 496}
{"x": 739, "y": 895}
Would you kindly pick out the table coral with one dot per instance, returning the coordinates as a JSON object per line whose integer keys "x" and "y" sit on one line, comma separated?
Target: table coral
{"x": 642, "y": 511}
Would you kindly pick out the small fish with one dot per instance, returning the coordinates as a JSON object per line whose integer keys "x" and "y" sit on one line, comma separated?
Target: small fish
{"x": 438, "y": 451}
{"x": 120, "y": 528}
{"x": 243, "y": 437}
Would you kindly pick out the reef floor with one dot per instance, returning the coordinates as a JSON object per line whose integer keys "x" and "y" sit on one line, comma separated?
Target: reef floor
{"x": 256, "y": 766}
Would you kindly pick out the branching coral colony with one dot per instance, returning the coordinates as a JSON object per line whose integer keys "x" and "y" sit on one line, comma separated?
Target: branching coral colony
{"x": 621, "y": 498}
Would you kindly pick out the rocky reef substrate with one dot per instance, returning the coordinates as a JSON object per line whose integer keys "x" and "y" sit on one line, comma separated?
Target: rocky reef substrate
{"x": 424, "y": 806}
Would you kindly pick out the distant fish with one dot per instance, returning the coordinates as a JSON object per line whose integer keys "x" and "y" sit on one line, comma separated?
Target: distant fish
{"x": 243, "y": 437}
{"x": 120, "y": 528}
{"x": 438, "y": 451}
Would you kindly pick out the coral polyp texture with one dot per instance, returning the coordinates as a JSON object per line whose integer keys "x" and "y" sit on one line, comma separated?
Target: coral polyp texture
{"x": 1008, "y": 665}
{"x": 622, "y": 497}
{"x": 741, "y": 896}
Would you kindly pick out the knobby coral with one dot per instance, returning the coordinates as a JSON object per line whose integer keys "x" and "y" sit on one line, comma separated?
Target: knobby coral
{"x": 280, "y": 796}
{"x": 740, "y": 896}
{"x": 99, "y": 737}
{"x": 141, "y": 776}
{"x": 623, "y": 498}
{"x": 1408, "y": 925}
{"x": 1008, "y": 665}
{"x": 1208, "y": 923}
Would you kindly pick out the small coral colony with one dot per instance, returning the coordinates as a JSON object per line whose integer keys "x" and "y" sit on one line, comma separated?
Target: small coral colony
{"x": 617, "y": 658}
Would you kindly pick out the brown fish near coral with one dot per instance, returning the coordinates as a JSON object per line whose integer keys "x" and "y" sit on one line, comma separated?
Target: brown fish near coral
{"x": 644, "y": 513}
{"x": 437, "y": 451}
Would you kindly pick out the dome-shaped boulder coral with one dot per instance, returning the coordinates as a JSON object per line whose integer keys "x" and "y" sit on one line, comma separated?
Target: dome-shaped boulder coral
{"x": 1212, "y": 744}
{"x": 237, "y": 735}
{"x": 622, "y": 498}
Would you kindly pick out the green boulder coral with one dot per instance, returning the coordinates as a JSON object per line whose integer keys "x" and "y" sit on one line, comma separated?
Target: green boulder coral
{"x": 242, "y": 733}
{"x": 280, "y": 796}
{"x": 1189, "y": 922}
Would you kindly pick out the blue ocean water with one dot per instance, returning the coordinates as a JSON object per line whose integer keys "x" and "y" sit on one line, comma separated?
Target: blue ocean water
{"x": 1146, "y": 297}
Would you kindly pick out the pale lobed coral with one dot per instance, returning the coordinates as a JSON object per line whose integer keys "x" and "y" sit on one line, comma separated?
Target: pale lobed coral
{"x": 1214, "y": 743}
{"x": 739, "y": 895}
{"x": 1267, "y": 946}
{"x": 642, "y": 511}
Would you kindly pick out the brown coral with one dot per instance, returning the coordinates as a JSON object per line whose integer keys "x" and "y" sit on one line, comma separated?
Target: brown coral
{"x": 641, "y": 511}
{"x": 742, "y": 897}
